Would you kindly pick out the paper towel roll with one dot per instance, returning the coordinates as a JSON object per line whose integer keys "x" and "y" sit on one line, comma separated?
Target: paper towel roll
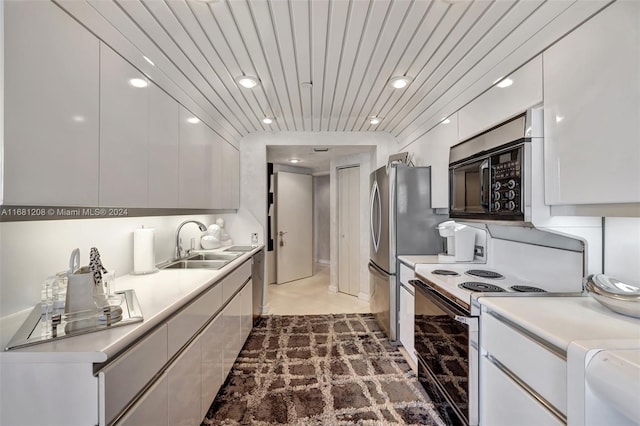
{"x": 144, "y": 259}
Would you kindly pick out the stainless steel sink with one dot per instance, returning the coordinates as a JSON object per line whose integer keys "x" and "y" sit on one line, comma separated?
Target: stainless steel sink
{"x": 213, "y": 256}
{"x": 196, "y": 264}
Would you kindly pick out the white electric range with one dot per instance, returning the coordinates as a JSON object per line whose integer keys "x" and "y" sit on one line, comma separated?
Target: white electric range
{"x": 459, "y": 281}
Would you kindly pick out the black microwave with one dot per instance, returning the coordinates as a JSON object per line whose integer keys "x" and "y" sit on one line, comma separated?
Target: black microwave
{"x": 489, "y": 186}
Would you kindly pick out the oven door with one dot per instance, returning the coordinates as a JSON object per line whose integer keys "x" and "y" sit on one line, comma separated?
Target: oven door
{"x": 447, "y": 362}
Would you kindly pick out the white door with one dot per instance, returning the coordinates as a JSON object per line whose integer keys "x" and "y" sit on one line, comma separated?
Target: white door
{"x": 294, "y": 226}
{"x": 349, "y": 230}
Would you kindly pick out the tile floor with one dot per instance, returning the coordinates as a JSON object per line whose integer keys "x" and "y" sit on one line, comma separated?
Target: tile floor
{"x": 311, "y": 296}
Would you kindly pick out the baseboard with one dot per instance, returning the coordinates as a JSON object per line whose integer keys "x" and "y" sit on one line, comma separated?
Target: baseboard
{"x": 323, "y": 261}
{"x": 364, "y": 296}
{"x": 333, "y": 288}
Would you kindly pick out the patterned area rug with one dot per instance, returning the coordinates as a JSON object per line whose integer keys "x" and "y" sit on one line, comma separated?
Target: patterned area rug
{"x": 320, "y": 370}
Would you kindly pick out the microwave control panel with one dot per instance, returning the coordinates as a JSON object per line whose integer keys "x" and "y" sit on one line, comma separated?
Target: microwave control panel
{"x": 506, "y": 181}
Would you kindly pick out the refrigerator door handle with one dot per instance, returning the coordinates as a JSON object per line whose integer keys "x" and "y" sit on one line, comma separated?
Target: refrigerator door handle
{"x": 375, "y": 270}
{"x": 375, "y": 207}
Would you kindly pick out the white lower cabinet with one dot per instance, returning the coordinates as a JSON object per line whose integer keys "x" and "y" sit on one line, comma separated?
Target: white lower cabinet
{"x": 232, "y": 320}
{"x": 507, "y": 403}
{"x": 185, "y": 386}
{"x": 407, "y": 311}
{"x": 151, "y": 409}
{"x": 212, "y": 362}
{"x": 523, "y": 380}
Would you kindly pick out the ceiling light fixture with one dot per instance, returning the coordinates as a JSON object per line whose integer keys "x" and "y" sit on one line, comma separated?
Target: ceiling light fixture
{"x": 400, "y": 82}
{"x": 138, "y": 82}
{"x": 445, "y": 121}
{"x": 193, "y": 120}
{"x": 267, "y": 120}
{"x": 295, "y": 160}
{"x": 505, "y": 83}
{"x": 149, "y": 60}
{"x": 306, "y": 84}
{"x": 374, "y": 120}
{"x": 247, "y": 81}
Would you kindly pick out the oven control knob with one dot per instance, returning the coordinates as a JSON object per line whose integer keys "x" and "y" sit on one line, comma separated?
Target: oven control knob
{"x": 496, "y": 196}
{"x": 496, "y": 206}
{"x": 496, "y": 186}
{"x": 511, "y": 194}
{"x": 511, "y": 205}
{"x": 511, "y": 184}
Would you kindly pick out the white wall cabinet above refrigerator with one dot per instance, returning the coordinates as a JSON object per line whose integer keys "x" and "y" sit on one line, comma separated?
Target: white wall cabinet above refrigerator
{"x": 592, "y": 111}
{"x": 51, "y": 104}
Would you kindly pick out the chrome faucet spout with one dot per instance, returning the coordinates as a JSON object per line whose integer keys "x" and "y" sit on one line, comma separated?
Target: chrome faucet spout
{"x": 201, "y": 226}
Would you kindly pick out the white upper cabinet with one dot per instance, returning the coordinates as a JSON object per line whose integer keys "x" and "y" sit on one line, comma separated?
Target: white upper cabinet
{"x": 124, "y": 132}
{"x": 230, "y": 177}
{"x": 163, "y": 150}
{"x": 515, "y": 93}
{"x": 592, "y": 111}
{"x": 197, "y": 162}
{"x": 51, "y": 107}
{"x": 434, "y": 151}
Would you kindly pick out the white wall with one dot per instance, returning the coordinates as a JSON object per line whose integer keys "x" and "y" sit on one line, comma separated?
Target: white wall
{"x": 32, "y": 251}
{"x": 321, "y": 216}
{"x": 622, "y": 249}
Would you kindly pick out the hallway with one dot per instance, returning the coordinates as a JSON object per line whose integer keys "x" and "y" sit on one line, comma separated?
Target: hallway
{"x": 310, "y": 296}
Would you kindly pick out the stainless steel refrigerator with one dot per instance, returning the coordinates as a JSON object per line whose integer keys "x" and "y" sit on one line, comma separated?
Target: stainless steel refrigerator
{"x": 402, "y": 223}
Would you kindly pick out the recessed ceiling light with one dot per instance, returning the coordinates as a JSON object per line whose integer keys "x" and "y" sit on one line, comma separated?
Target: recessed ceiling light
{"x": 295, "y": 160}
{"x": 79, "y": 118}
{"x": 400, "y": 82}
{"x": 445, "y": 121}
{"x": 505, "y": 83}
{"x": 307, "y": 84}
{"x": 149, "y": 60}
{"x": 267, "y": 120}
{"x": 138, "y": 82}
{"x": 247, "y": 81}
{"x": 193, "y": 120}
{"x": 374, "y": 120}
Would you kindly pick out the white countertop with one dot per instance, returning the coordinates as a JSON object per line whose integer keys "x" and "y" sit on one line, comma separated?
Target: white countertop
{"x": 561, "y": 320}
{"x": 159, "y": 294}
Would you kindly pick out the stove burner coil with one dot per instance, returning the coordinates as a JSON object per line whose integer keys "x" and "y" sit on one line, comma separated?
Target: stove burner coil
{"x": 484, "y": 274}
{"x": 479, "y": 286}
{"x": 444, "y": 272}
{"x": 527, "y": 289}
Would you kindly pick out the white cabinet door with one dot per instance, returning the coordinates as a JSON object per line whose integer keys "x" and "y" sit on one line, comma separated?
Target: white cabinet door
{"x": 163, "y": 150}
{"x": 51, "y": 107}
{"x": 124, "y": 117}
{"x": 592, "y": 110}
{"x": 230, "y": 177}
{"x": 407, "y": 314}
{"x": 246, "y": 323}
{"x": 212, "y": 364}
{"x": 501, "y": 103}
{"x": 151, "y": 409}
{"x": 199, "y": 162}
{"x": 232, "y": 325}
{"x": 185, "y": 387}
{"x": 434, "y": 151}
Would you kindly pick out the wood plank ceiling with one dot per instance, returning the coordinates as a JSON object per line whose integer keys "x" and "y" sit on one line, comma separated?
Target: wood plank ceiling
{"x": 347, "y": 49}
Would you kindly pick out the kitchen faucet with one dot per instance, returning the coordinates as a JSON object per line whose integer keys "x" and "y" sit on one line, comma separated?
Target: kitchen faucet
{"x": 202, "y": 227}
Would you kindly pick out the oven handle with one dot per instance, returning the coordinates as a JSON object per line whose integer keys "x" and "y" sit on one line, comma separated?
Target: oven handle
{"x": 450, "y": 308}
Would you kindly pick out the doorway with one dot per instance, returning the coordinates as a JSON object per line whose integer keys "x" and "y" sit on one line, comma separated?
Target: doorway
{"x": 348, "y": 187}
{"x": 294, "y": 226}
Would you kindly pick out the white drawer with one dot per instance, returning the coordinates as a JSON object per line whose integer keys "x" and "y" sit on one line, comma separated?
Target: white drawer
{"x": 151, "y": 409}
{"x": 504, "y": 403}
{"x": 234, "y": 280}
{"x": 406, "y": 274}
{"x": 188, "y": 321}
{"x": 132, "y": 370}
{"x": 544, "y": 371}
